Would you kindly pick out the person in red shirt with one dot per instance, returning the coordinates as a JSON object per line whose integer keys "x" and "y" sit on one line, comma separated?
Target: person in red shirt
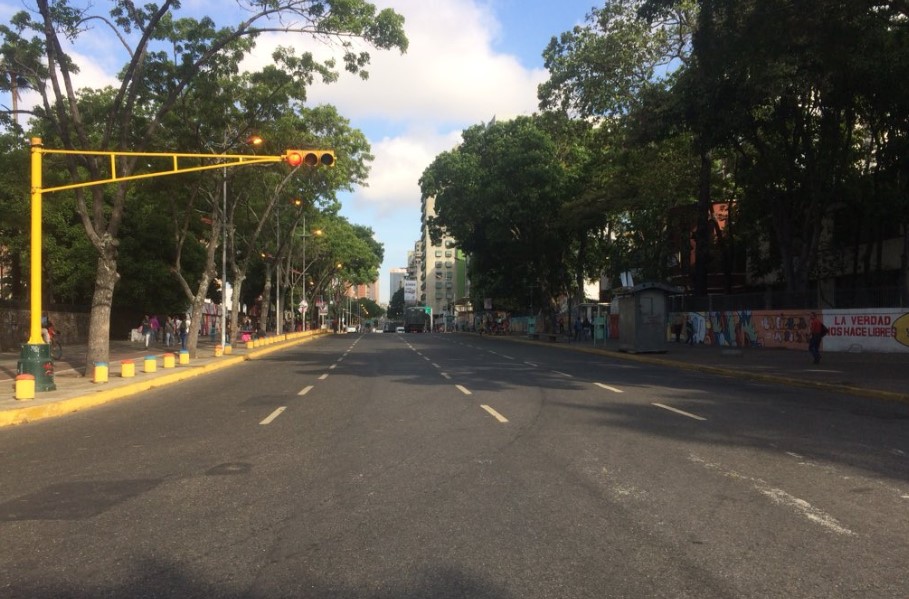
{"x": 815, "y": 334}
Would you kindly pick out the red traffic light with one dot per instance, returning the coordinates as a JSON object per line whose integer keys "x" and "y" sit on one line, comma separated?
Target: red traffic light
{"x": 297, "y": 158}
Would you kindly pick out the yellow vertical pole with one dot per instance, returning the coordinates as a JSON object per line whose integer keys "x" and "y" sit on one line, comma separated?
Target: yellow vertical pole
{"x": 35, "y": 287}
{"x": 35, "y": 358}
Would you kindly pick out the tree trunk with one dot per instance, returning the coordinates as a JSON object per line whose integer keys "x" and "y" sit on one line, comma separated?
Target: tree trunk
{"x": 702, "y": 233}
{"x": 192, "y": 338}
{"x": 266, "y": 303}
{"x": 106, "y": 277}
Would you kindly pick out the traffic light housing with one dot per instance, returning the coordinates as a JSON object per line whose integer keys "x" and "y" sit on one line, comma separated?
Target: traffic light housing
{"x": 297, "y": 158}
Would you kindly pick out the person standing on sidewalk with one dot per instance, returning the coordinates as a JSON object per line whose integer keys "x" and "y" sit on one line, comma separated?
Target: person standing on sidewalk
{"x": 816, "y": 332}
{"x": 155, "y": 327}
{"x": 146, "y": 330}
{"x": 170, "y": 330}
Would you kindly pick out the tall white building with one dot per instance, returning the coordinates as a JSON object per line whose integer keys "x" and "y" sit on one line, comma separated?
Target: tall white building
{"x": 396, "y": 280}
{"x": 442, "y": 269}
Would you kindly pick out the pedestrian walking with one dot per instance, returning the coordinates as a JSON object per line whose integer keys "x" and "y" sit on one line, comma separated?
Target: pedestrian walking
{"x": 146, "y": 330}
{"x": 170, "y": 331}
{"x": 689, "y": 330}
{"x": 184, "y": 327}
{"x": 677, "y": 325}
{"x": 817, "y": 330}
{"x": 155, "y": 327}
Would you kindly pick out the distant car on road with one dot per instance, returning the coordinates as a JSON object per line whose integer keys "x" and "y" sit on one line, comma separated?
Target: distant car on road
{"x": 399, "y": 330}
{"x": 351, "y": 329}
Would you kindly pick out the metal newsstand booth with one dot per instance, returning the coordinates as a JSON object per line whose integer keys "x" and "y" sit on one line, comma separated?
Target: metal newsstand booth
{"x": 643, "y": 312}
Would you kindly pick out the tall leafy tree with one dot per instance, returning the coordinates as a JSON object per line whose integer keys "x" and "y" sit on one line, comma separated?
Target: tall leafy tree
{"x": 500, "y": 195}
{"x": 164, "y": 56}
{"x": 615, "y": 71}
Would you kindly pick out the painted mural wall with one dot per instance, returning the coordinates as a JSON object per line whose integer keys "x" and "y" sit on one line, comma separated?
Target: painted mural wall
{"x": 867, "y": 330}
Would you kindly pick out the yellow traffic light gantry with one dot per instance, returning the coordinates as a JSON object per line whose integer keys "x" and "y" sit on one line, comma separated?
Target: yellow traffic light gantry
{"x": 33, "y": 356}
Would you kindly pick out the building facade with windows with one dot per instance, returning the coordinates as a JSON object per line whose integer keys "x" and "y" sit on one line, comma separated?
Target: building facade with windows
{"x": 442, "y": 275}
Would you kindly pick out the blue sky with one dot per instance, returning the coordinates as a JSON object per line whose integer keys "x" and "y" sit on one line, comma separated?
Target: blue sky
{"x": 468, "y": 60}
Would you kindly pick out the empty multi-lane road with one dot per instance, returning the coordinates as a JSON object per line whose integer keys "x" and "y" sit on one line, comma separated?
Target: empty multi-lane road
{"x": 405, "y": 466}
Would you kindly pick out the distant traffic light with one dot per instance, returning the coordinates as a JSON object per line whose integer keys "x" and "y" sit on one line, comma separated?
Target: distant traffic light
{"x": 297, "y": 158}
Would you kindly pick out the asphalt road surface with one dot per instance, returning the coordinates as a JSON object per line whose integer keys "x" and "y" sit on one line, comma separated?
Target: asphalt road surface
{"x": 394, "y": 466}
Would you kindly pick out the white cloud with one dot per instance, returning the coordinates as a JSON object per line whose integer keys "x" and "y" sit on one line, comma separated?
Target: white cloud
{"x": 450, "y": 78}
{"x": 400, "y": 160}
{"x": 449, "y": 74}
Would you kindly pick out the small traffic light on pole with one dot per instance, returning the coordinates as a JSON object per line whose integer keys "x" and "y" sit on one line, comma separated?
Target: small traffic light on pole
{"x": 297, "y": 158}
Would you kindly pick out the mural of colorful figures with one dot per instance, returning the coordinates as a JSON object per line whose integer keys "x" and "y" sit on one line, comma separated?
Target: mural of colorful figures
{"x": 865, "y": 330}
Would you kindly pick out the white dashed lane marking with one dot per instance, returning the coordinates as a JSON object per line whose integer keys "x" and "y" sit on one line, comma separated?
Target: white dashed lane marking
{"x": 609, "y": 388}
{"x": 273, "y": 415}
{"x": 494, "y": 414}
{"x": 677, "y": 411}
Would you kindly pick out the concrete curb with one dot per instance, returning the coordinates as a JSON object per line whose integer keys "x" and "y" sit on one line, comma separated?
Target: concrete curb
{"x": 27, "y": 413}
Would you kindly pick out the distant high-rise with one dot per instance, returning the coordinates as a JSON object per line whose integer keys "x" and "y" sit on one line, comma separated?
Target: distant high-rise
{"x": 396, "y": 280}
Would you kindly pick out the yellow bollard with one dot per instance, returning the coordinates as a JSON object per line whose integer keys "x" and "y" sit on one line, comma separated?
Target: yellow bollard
{"x": 184, "y": 357}
{"x": 227, "y": 349}
{"x": 100, "y": 372}
{"x": 169, "y": 360}
{"x": 25, "y": 386}
{"x": 127, "y": 369}
{"x": 151, "y": 364}
{"x": 219, "y": 351}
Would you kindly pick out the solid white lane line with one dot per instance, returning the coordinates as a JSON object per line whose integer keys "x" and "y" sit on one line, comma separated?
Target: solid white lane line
{"x": 494, "y": 414}
{"x": 677, "y": 411}
{"x": 609, "y": 388}
{"x": 463, "y": 390}
{"x": 323, "y": 377}
{"x": 562, "y": 373}
{"x": 305, "y": 390}
{"x": 273, "y": 415}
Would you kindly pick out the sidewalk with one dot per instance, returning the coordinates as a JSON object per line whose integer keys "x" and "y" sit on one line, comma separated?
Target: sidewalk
{"x": 880, "y": 375}
{"x": 75, "y": 392}
{"x": 883, "y": 376}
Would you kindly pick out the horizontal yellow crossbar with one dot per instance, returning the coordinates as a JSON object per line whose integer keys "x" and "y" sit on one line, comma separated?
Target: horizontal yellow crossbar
{"x": 223, "y": 161}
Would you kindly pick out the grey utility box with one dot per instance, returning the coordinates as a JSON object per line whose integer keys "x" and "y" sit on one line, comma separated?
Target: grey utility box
{"x": 643, "y": 311}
